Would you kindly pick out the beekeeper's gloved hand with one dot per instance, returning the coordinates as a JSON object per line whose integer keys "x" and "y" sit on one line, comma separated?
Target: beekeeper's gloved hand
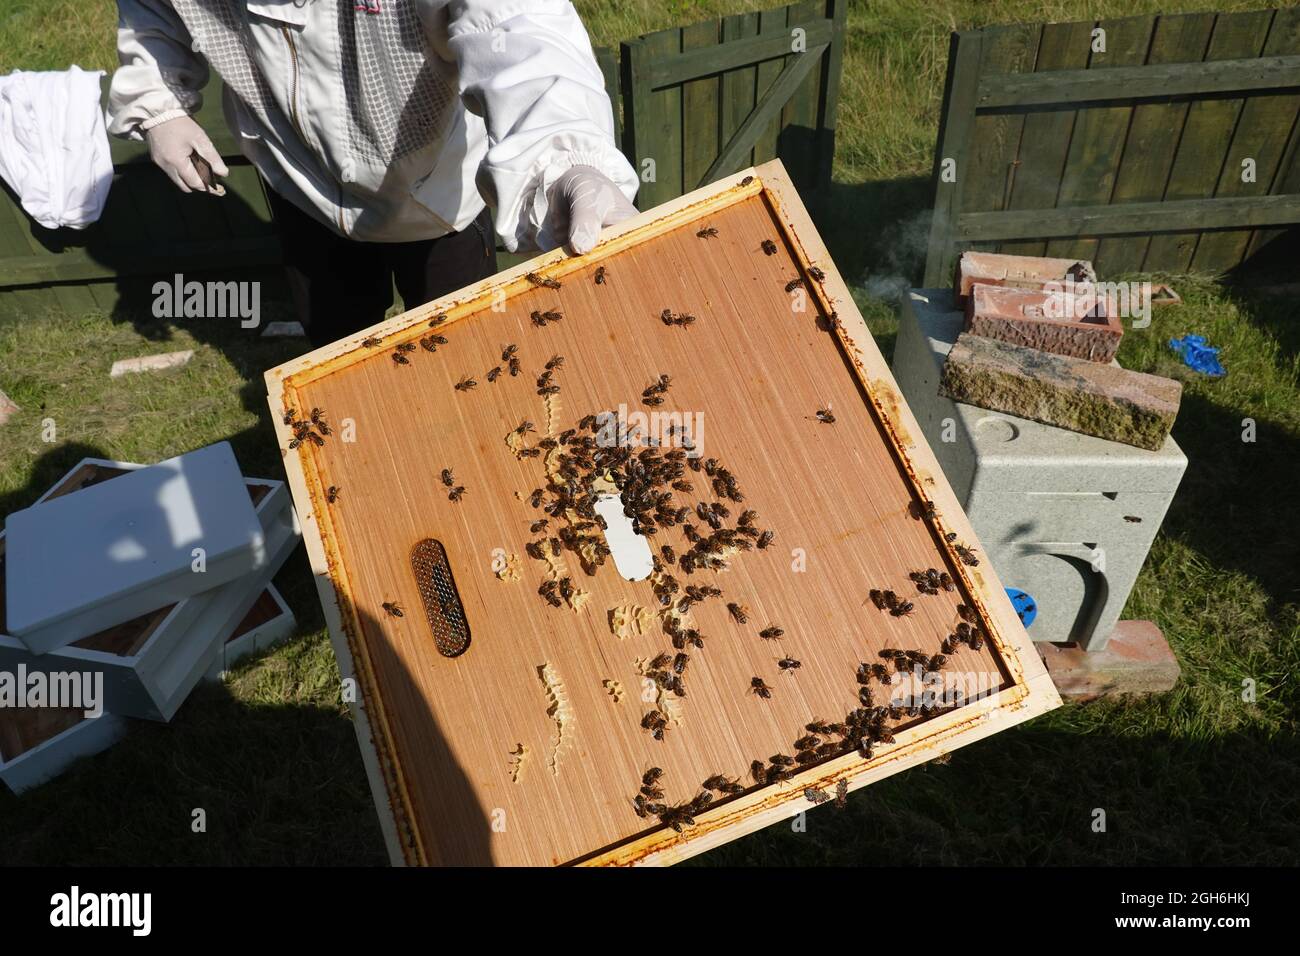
{"x": 586, "y": 200}
{"x": 171, "y": 145}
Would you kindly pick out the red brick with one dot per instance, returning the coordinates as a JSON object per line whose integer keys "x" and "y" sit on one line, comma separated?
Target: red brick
{"x": 1021, "y": 272}
{"x": 1136, "y": 660}
{"x": 1068, "y": 322}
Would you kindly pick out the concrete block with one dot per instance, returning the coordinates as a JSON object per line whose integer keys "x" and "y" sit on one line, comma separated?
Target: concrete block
{"x": 1070, "y": 322}
{"x": 1136, "y": 660}
{"x": 1102, "y": 400}
{"x": 1019, "y": 272}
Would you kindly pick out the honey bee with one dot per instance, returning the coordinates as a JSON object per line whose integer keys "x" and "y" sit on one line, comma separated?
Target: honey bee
{"x": 543, "y": 281}
{"x": 967, "y": 556}
{"x": 651, "y": 777}
{"x": 739, "y": 612}
{"x": 392, "y": 609}
{"x": 290, "y": 416}
{"x": 772, "y": 633}
{"x": 535, "y": 499}
{"x": 493, "y": 374}
{"x": 332, "y": 494}
{"x": 825, "y": 417}
{"x": 428, "y": 344}
{"x": 437, "y": 320}
{"x": 765, "y": 539}
{"x": 524, "y": 428}
{"x": 465, "y": 384}
{"x": 794, "y": 284}
{"x": 295, "y": 442}
{"x": 816, "y": 273}
{"x": 815, "y": 796}
{"x": 406, "y": 347}
{"x": 508, "y": 352}
{"x": 448, "y": 478}
{"x": 456, "y": 494}
{"x": 316, "y": 439}
{"x": 946, "y": 582}
{"x": 514, "y": 367}
{"x": 922, "y": 511}
{"x": 759, "y": 686}
{"x": 600, "y": 275}
{"x": 371, "y": 342}
{"x": 841, "y": 794}
{"x": 769, "y": 247}
{"x": 707, "y": 233}
{"x": 789, "y": 664}
{"x": 877, "y": 597}
{"x": 555, "y": 361}
{"x": 401, "y": 359}
{"x": 747, "y": 180}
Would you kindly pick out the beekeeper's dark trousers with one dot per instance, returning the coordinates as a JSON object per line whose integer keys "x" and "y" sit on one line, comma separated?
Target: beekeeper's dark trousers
{"x": 340, "y": 286}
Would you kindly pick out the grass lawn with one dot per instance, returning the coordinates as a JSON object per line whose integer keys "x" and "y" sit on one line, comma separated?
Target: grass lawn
{"x": 1198, "y": 775}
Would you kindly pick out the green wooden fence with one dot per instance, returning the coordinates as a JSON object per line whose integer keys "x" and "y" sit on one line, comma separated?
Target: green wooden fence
{"x": 704, "y": 100}
{"x": 1136, "y": 157}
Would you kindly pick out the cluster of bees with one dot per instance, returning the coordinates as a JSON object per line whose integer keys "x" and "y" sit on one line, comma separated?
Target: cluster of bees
{"x": 653, "y": 394}
{"x": 455, "y": 492}
{"x": 314, "y": 428}
{"x": 669, "y": 317}
{"x": 931, "y": 580}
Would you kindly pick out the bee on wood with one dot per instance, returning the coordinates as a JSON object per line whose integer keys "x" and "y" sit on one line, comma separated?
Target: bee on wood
{"x": 290, "y": 416}
{"x": 332, "y": 494}
{"x": 789, "y": 664}
{"x": 316, "y": 439}
{"x": 967, "y": 556}
{"x": 815, "y": 796}
{"x": 392, "y": 609}
{"x": 535, "y": 551}
{"x": 493, "y": 374}
{"x": 825, "y": 417}
{"x": 747, "y": 180}
{"x": 535, "y": 498}
{"x": 841, "y": 794}
{"x": 653, "y": 401}
{"x": 793, "y": 284}
{"x": 655, "y": 722}
{"x": 666, "y": 316}
{"x": 922, "y": 511}
{"x": 456, "y": 494}
{"x": 707, "y": 233}
{"x": 465, "y": 384}
{"x": 556, "y": 361}
{"x": 816, "y": 273}
{"x": 651, "y": 777}
{"x": 406, "y": 347}
{"x": 401, "y": 359}
{"x": 543, "y": 281}
{"x": 524, "y": 428}
{"x": 538, "y": 526}
{"x": 437, "y": 320}
{"x": 317, "y": 416}
{"x": 547, "y": 590}
{"x": 765, "y": 539}
{"x": 371, "y": 342}
{"x": 448, "y": 478}
{"x": 428, "y": 344}
{"x": 680, "y": 660}
{"x": 508, "y": 352}
{"x": 537, "y": 319}
{"x": 716, "y": 782}
{"x": 877, "y": 597}
{"x": 946, "y": 582}
{"x": 600, "y": 275}
{"x": 294, "y": 443}
{"x": 967, "y": 613}
{"x": 739, "y": 612}
{"x": 759, "y": 686}
{"x": 514, "y": 367}
{"x": 669, "y": 555}
{"x": 772, "y": 633}
{"x": 769, "y": 247}
{"x": 530, "y": 452}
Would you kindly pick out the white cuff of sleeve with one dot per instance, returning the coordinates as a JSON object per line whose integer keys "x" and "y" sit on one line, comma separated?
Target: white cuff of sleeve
{"x": 161, "y": 118}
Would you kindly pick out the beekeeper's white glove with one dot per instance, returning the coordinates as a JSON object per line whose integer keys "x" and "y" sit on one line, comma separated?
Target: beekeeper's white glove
{"x": 586, "y": 200}
{"x": 171, "y": 144}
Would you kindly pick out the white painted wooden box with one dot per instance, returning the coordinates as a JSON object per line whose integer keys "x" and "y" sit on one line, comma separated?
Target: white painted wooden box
{"x": 130, "y": 545}
{"x": 266, "y": 624}
{"x": 38, "y": 745}
{"x": 152, "y": 663}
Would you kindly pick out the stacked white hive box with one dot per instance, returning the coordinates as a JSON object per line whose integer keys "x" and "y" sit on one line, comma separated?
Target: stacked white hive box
{"x": 145, "y": 578}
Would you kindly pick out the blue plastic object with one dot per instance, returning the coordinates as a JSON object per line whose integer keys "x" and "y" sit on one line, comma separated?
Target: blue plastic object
{"x": 1026, "y": 607}
{"x": 1198, "y": 354}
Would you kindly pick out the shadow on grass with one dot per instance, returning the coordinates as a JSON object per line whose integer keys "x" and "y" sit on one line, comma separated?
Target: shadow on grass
{"x": 1030, "y": 796}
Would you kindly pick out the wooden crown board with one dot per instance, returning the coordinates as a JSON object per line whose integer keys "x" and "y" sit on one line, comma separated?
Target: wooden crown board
{"x": 847, "y": 501}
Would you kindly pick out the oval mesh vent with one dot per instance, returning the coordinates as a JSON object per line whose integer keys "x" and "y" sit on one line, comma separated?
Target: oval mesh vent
{"x": 441, "y": 601}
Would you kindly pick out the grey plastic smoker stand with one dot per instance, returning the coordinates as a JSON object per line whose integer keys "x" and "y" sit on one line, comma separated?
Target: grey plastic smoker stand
{"x": 1065, "y": 517}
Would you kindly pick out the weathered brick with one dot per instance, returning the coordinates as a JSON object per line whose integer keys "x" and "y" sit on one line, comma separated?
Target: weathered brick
{"x": 1071, "y": 322}
{"x": 1021, "y": 272}
{"x": 1102, "y": 400}
{"x": 1136, "y": 660}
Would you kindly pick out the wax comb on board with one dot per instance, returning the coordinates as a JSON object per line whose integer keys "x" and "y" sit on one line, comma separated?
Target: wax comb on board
{"x": 442, "y": 604}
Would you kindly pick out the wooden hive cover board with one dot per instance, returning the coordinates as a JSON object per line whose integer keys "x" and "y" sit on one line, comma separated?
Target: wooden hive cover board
{"x": 843, "y": 500}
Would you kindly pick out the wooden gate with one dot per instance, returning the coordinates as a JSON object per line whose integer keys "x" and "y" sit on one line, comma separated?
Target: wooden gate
{"x": 1171, "y": 150}
{"x": 705, "y": 100}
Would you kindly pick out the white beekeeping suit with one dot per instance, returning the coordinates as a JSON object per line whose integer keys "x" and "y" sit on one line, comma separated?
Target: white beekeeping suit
{"x": 388, "y": 120}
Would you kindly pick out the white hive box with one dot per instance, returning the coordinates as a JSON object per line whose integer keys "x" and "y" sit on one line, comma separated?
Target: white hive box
{"x": 129, "y": 545}
{"x": 152, "y": 662}
{"x": 38, "y": 745}
{"x": 1065, "y": 517}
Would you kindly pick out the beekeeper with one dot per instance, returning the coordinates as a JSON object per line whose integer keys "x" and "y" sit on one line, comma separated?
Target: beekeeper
{"x": 396, "y": 137}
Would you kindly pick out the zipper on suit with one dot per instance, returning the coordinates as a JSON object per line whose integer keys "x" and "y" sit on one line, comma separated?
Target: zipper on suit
{"x": 293, "y": 112}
